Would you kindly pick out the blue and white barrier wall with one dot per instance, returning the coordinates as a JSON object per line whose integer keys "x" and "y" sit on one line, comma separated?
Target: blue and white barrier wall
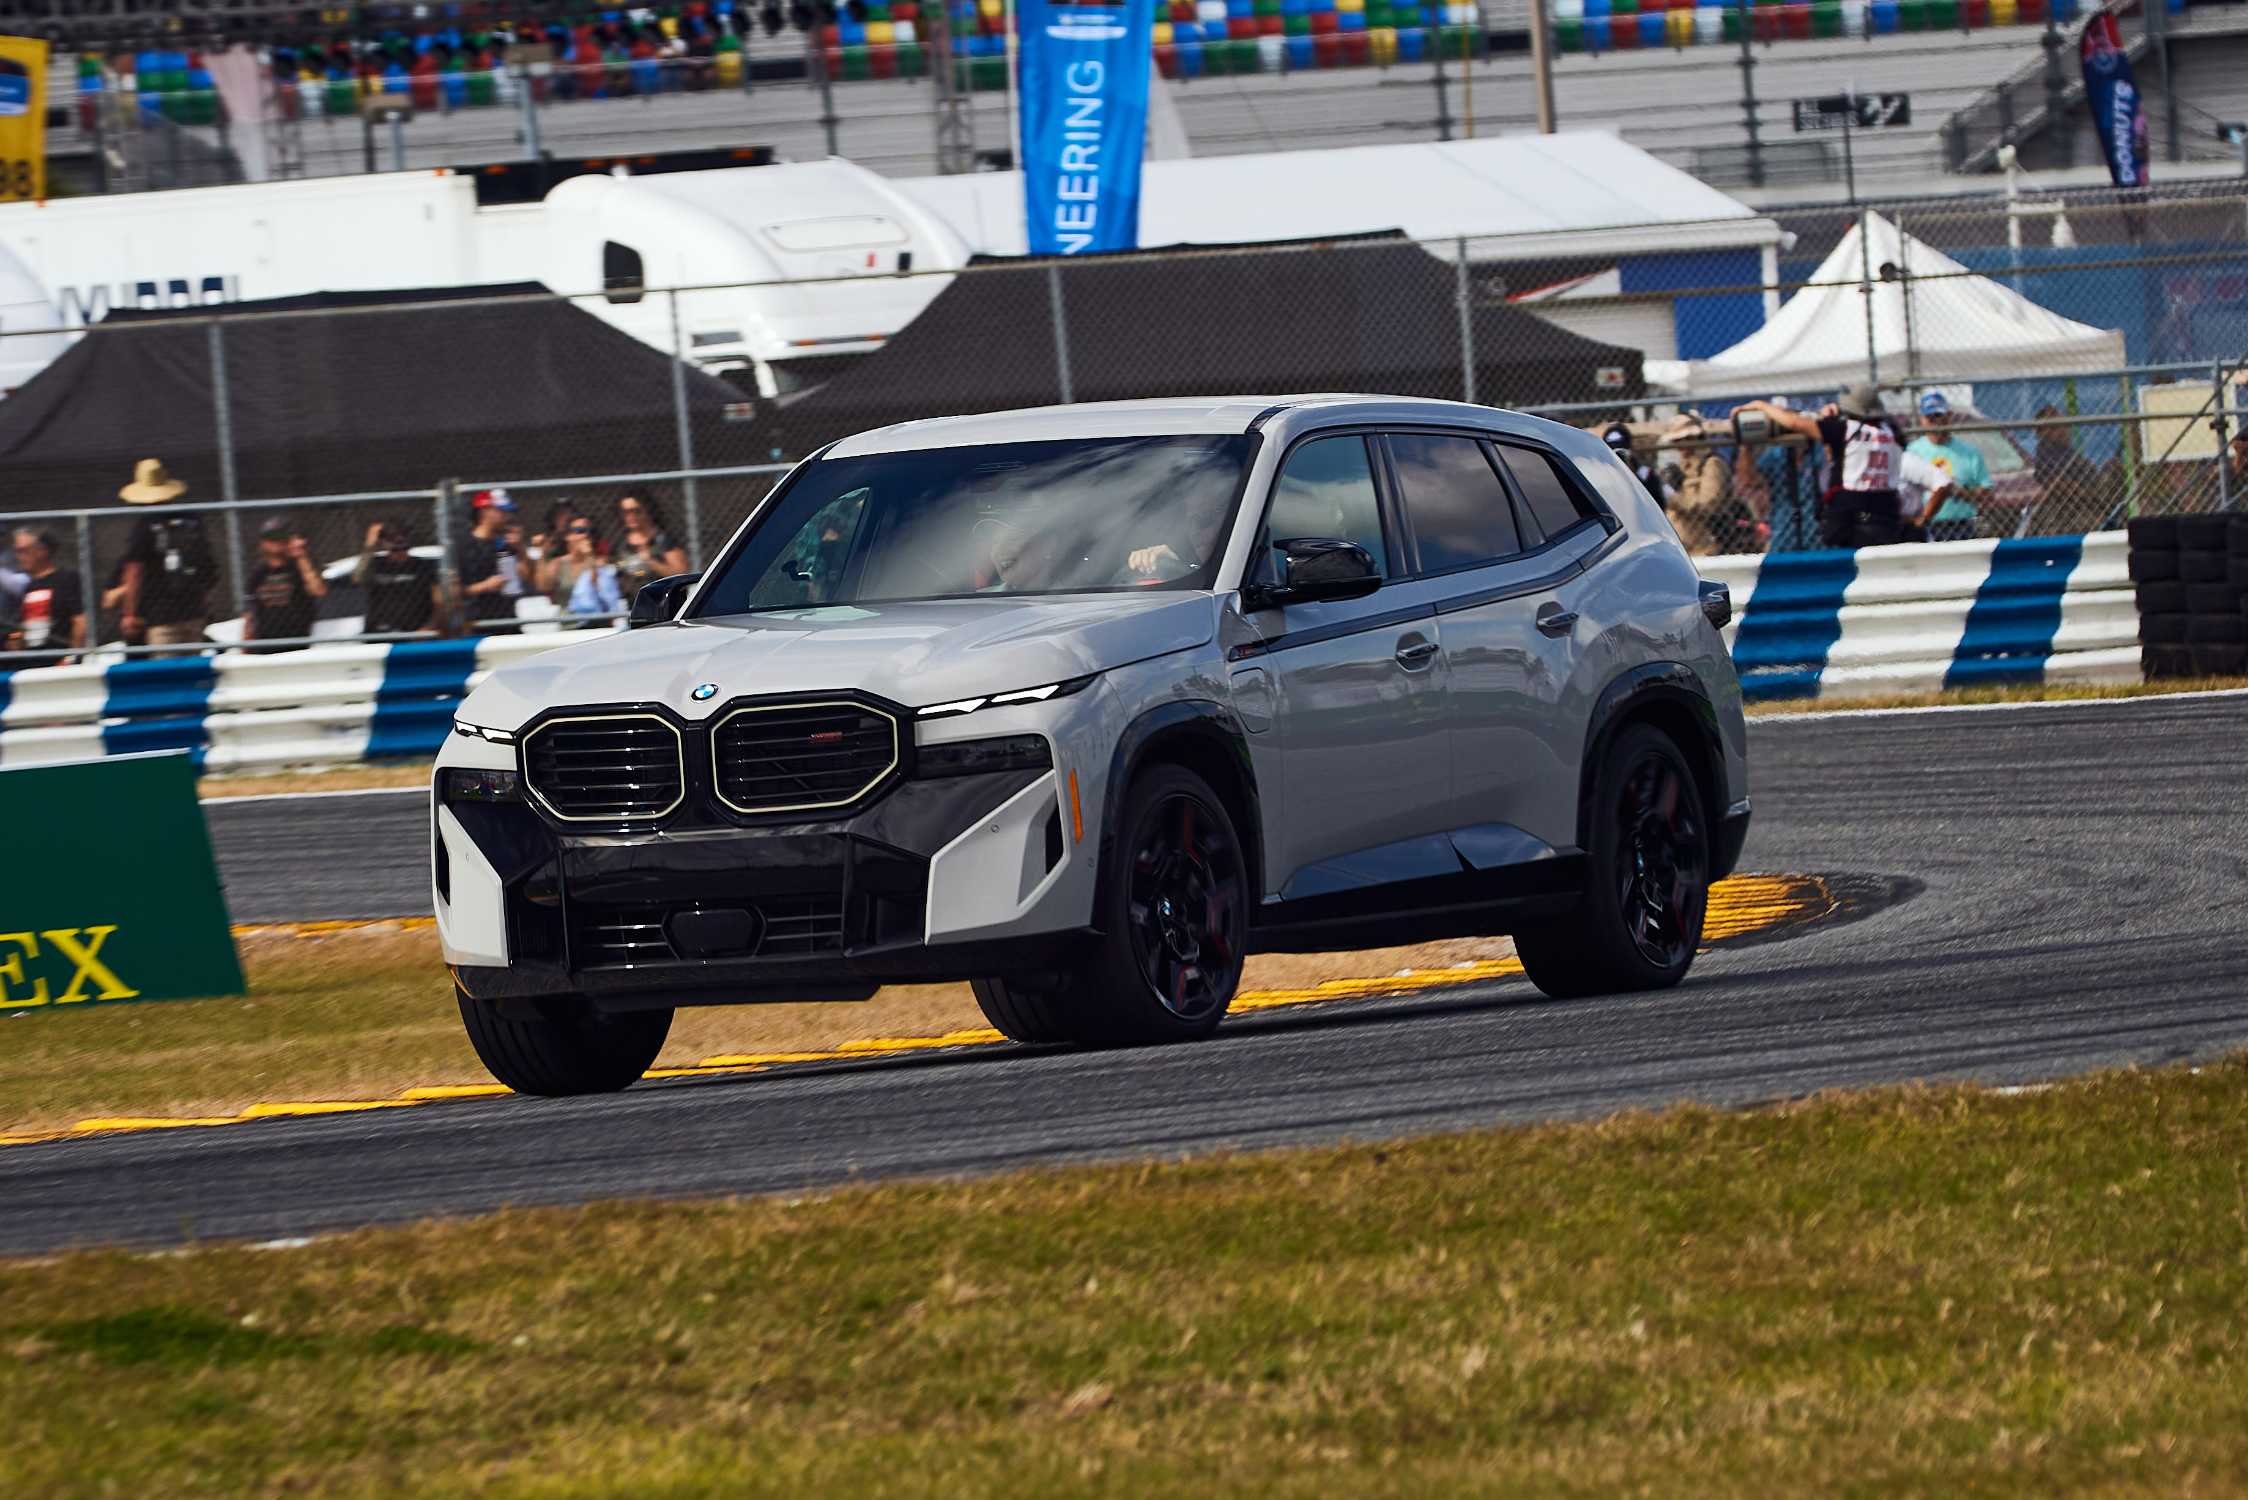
{"x": 1916, "y": 618}
{"x": 325, "y": 705}
{"x": 1845, "y": 624}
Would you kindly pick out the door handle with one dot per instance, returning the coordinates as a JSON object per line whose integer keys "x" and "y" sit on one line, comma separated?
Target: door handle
{"x": 1412, "y": 654}
{"x": 1554, "y": 620}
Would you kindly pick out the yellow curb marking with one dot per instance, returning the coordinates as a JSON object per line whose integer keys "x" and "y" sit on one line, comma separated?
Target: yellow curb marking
{"x": 1743, "y": 904}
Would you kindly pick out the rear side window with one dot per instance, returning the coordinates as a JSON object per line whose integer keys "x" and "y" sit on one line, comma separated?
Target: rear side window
{"x": 622, "y": 274}
{"x": 1326, "y": 489}
{"x": 1461, "y": 515}
{"x": 1552, "y": 503}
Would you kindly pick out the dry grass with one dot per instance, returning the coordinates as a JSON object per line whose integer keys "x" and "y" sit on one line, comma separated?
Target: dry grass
{"x": 1910, "y": 1292}
{"x": 335, "y": 779}
{"x": 2049, "y": 692}
{"x": 366, "y": 1013}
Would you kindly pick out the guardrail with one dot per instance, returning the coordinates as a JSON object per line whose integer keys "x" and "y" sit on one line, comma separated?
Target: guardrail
{"x": 1881, "y": 620}
{"x": 1914, "y": 619}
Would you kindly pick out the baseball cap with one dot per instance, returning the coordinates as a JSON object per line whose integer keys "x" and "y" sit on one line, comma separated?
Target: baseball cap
{"x": 276, "y": 526}
{"x": 1616, "y": 435}
{"x": 494, "y": 500}
{"x": 1862, "y": 402}
{"x": 1933, "y": 404}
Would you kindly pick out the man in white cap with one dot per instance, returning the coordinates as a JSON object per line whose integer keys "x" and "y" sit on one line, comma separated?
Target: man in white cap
{"x": 1861, "y": 506}
{"x": 170, "y": 568}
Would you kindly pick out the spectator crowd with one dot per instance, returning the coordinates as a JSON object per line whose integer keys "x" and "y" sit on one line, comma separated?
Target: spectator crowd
{"x": 1770, "y": 477}
{"x": 168, "y": 588}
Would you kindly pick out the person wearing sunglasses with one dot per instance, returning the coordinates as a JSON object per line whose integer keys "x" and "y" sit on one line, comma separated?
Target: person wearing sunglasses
{"x": 581, "y": 582}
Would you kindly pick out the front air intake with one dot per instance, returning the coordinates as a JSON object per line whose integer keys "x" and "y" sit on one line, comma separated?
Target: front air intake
{"x": 801, "y": 757}
{"x": 606, "y": 768}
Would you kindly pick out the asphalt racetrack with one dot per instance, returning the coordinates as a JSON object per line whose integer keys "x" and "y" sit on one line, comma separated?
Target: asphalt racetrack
{"x": 2047, "y": 890}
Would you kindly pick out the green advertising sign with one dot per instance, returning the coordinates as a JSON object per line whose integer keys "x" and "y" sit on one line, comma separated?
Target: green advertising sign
{"x": 113, "y": 894}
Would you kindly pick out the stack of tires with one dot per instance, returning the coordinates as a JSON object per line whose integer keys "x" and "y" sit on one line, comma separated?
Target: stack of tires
{"x": 2191, "y": 573}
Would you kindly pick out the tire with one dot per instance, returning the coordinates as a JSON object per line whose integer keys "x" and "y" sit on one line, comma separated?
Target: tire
{"x": 1649, "y": 830}
{"x": 2165, "y": 598}
{"x": 2151, "y": 567}
{"x": 2163, "y": 630}
{"x": 2165, "y": 661}
{"x": 2153, "y": 533}
{"x": 2218, "y": 659}
{"x": 578, "y": 1052}
{"x": 2217, "y": 630}
{"x": 2212, "y": 599}
{"x": 1174, "y": 921}
{"x": 2202, "y": 567}
{"x": 2205, "y": 533}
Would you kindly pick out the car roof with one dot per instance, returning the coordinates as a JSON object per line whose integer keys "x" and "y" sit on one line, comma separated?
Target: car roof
{"x": 1159, "y": 417}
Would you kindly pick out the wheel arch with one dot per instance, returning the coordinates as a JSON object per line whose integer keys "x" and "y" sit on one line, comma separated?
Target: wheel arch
{"x": 1204, "y": 736}
{"x": 1669, "y": 696}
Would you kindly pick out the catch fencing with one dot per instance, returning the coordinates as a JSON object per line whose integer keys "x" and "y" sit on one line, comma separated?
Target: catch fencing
{"x": 342, "y": 416}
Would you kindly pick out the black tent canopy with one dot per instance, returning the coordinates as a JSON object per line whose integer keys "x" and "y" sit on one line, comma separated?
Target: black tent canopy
{"x": 1372, "y": 313}
{"x": 340, "y": 393}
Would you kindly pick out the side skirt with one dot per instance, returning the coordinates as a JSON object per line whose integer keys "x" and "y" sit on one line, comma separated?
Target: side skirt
{"x": 1473, "y": 903}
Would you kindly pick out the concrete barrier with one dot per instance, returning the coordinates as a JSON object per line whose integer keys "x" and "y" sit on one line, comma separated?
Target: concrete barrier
{"x": 325, "y": 705}
{"x": 1921, "y": 617}
{"x": 1881, "y": 620}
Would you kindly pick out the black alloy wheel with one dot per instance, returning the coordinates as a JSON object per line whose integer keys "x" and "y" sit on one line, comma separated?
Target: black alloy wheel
{"x": 1186, "y": 900}
{"x": 1663, "y": 869}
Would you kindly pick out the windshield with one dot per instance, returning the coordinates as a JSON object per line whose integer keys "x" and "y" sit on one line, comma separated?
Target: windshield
{"x": 1075, "y": 516}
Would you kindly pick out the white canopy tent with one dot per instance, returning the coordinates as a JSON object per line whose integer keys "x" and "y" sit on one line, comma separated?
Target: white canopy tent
{"x": 1937, "y": 323}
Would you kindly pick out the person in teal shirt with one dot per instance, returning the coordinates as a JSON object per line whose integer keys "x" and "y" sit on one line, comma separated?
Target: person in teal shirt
{"x": 1954, "y": 519}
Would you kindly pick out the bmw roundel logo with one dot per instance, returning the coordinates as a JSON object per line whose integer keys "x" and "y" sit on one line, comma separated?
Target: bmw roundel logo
{"x": 704, "y": 692}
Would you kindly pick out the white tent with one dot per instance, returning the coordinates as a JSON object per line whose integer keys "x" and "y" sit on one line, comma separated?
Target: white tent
{"x": 1956, "y": 326}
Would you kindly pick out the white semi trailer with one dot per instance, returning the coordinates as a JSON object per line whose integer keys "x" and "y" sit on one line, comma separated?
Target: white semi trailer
{"x": 792, "y": 264}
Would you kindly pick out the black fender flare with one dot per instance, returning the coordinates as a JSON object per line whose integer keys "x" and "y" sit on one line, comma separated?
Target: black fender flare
{"x": 1672, "y": 684}
{"x": 1207, "y": 723}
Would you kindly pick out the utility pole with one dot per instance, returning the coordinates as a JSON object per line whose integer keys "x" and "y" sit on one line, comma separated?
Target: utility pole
{"x": 956, "y": 121}
{"x": 1541, "y": 65}
{"x": 1434, "y": 10}
{"x": 2158, "y": 33}
{"x": 1467, "y": 77}
{"x": 818, "y": 55}
{"x": 1748, "y": 98}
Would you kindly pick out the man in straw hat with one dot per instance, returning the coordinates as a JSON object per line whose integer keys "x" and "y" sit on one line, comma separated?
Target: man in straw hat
{"x": 1860, "y": 508}
{"x": 169, "y": 565}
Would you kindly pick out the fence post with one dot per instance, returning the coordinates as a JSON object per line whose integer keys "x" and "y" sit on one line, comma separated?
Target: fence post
{"x": 448, "y": 574}
{"x": 1061, "y": 328}
{"x": 2224, "y": 469}
{"x": 223, "y": 408}
{"x": 686, "y": 437}
{"x": 1865, "y": 288}
{"x": 89, "y": 583}
{"x": 1461, "y": 302}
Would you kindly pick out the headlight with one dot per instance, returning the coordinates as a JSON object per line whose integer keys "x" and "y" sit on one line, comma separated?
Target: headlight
{"x": 479, "y": 732}
{"x": 1007, "y": 752}
{"x": 1000, "y": 700}
{"x": 474, "y": 784}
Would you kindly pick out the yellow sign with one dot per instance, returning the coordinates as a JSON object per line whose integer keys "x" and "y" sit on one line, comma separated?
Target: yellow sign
{"x": 23, "y": 119}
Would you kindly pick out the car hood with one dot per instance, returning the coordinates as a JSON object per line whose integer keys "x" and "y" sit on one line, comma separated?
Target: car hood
{"x": 914, "y": 654}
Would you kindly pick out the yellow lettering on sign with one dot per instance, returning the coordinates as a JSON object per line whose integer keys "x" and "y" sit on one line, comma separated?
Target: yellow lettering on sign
{"x": 89, "y": 965}
{"x": 11, "y": 969}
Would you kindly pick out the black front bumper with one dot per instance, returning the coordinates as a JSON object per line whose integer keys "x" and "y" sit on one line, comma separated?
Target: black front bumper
{"x": 711, "y": 912}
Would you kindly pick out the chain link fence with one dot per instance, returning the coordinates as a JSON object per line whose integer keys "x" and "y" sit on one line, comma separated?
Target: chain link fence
{"x": 2089, "y": 347}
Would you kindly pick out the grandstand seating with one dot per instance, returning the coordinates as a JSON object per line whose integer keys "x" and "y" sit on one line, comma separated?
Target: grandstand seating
{"x": 716, "y": 44}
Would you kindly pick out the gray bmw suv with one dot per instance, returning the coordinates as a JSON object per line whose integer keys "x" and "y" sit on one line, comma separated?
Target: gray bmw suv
{"x": 1086, "y": 704}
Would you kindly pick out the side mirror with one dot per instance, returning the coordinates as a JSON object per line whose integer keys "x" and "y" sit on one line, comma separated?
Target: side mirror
{"x": 658, "y": 601}
{"x": 1316, "y": 569}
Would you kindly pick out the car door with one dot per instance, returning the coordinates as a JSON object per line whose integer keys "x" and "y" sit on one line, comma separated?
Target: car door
{"x": 1357, "y": 688}
{"x": 1504, "y": 536}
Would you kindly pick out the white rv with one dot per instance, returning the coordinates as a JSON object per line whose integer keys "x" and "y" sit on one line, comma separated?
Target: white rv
{"x": 799, "y": 263}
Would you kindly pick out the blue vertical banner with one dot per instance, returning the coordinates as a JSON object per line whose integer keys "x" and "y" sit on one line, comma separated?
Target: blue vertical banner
{"x": 2119, "y": 111}
{"x": 1084, "y": 87}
